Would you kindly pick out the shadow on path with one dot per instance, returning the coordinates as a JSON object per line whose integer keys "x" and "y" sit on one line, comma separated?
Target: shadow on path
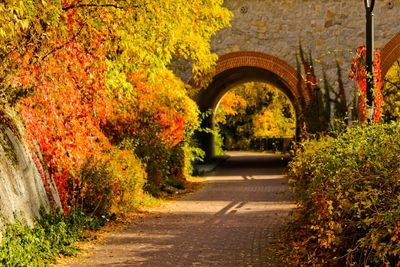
{"x": 232, "y": 221}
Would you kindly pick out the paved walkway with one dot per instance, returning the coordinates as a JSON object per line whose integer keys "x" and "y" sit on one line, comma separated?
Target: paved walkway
{"x": 232, "y": 221}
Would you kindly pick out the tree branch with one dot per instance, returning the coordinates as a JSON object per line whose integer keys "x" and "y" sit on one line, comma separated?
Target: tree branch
{"x": 63, "y": 45}
{"x": 392, "y": 83}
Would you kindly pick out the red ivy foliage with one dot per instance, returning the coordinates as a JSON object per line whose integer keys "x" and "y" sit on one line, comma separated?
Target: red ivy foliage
{"x": 152, "y": 128}
{"x": 142, "y": 117}
{"x": 359, "y": 74}
{"x": 64, "y": 112}
{"x": 68, "y": 114}
{"x": 196, "y": 9}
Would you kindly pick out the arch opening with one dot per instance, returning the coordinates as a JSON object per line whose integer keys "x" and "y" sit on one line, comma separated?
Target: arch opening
{"x": 254, "y": 116}
{"x": 238, "y": 68}
{"x": 390, "y": 53}
{"x": 391, "y": 93}
{"x": 390, "y": 67}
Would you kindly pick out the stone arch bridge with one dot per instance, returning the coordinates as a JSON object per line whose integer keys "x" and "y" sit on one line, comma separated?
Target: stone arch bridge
{"x": 264, "y": 39}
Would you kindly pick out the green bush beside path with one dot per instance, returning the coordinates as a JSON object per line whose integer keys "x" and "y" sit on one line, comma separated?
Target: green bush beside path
{"x": 347, "y": 186}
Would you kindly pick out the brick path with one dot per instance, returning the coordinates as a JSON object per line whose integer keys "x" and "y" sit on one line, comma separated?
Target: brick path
{"x": 232, "y": 221}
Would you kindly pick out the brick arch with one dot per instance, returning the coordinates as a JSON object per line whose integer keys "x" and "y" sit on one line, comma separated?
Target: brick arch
{"x": 239, "y": 67}
{"x": 254, "y": 66}
{"x": 263, "y": 61}
{"x": 390, "y": 53}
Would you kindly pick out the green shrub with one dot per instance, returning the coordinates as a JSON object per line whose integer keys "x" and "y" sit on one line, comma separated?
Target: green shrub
{"x": 155, "y": 157}
{"x": 175, "y": 183}
{"x": 51, "y": 235}
{"x": 130, "y": 179}
{"x": 348, "y": 189}
{"x": 162, "y": 163}
{"x": 219, "y": 141}
{"x": 111, "y": 184}
{"x": 171, "y": 184}
{"x": 96, "y": 187}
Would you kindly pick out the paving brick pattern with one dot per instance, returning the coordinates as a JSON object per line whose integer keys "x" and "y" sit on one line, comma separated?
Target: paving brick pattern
{"x": 232, "y": 221}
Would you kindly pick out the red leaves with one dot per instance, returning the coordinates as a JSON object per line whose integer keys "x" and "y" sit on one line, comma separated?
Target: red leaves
{"x": 64, "y": 113}
{"x": 143, "y": 116}
{"x": 378, "y": 86}
{"x": 359, "y": 74}
{"x": 196, "y": 10}
{"x": 66, "y": 110}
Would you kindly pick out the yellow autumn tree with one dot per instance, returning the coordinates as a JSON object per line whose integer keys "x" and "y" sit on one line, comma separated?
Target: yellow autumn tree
{"x": 107, "y": 62}
{"x": 252, "y": 111}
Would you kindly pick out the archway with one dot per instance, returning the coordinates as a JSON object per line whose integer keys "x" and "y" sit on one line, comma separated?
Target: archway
{"x": 390, "y": 66}
{"x": 240, "y": 67}
{"x": 390, "y": 53}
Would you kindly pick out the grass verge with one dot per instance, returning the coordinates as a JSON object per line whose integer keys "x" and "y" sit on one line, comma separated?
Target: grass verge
{"x": 52, "y": 235}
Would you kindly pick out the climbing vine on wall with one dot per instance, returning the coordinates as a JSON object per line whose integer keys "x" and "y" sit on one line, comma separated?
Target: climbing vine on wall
{"x": 359, "y": 74}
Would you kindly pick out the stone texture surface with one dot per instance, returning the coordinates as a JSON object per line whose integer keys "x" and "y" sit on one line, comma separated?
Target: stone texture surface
{"x": 330, "y": 29}
{"x": 232, "y": 221}
{"x": 21, "y": 187}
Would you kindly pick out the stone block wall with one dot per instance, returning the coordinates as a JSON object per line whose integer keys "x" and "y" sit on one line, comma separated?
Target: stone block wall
{"x": 330, "y": 29}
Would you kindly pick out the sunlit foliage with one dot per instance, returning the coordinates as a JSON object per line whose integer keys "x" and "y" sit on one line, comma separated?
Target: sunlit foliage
{"x": 347, "y": 189}
{"x": 360, "y": 75}
{"x": 391, "y": 93}
{"x": 89, "y": 77}
{"x": 254, "y": 110}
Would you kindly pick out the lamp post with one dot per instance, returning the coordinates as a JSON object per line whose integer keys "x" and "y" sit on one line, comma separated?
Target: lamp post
{"x": 369, "y": 7}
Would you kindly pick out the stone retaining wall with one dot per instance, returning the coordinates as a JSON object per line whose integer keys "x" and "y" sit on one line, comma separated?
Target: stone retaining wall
{"x": 22, "y": 191}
